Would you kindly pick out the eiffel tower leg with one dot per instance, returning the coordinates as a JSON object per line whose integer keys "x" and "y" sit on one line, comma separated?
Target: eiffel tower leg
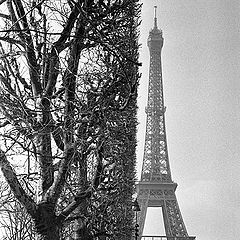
{"x": 173, "y": 221}
{"x": 143, "y": 203}
{"x": 166, "y": 220}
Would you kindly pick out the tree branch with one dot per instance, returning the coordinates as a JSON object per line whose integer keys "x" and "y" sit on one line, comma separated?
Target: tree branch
{"x": 7, "y": 85}
{"x": 14, "y": 19}
{"x": 5, "y": 123}
{"x": 59, "y": 46}
{"x": 2, "y": 1}
{"x": 69, "y": 80}
{"x": 2, "y": 15}
{"x": 73, "y": 205}
{"x": 31, "y": 57}
{"x": 11, "y": 40}
{"x": 15, "y": 186}
{"x": 57, "y": 134}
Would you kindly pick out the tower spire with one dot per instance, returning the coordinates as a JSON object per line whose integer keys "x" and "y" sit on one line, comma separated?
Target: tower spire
{"x": 155, "y": 16}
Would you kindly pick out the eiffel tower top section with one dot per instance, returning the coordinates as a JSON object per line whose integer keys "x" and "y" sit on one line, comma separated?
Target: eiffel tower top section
{"x": 155, "y": 167}
{"x": 155, "y": 39}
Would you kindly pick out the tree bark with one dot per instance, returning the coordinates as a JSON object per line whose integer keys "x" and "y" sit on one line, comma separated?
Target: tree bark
{"x": 46, "y": 224}
{"x": 52, "y": 234}
{"x": 81, "y": 233}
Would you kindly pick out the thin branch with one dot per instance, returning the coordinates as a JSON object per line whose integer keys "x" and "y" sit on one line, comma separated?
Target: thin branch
{"x": 2, "y": 15}
{"x": 4, "y": 124}
{"x": 2, "y": 1}
{"x": 57, "y": 134}
{"x": 11, "y": 40}
{"x": 7, "y": 85}
{"x": 35, "y": 31}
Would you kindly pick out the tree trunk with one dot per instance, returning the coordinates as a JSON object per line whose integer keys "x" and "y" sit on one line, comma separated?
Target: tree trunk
{"x": 45, "y": 222}
{"x": 50, "y": 234}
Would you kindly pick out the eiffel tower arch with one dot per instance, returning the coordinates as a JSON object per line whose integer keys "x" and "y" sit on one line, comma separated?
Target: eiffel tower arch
{"x": 156, "y": 187}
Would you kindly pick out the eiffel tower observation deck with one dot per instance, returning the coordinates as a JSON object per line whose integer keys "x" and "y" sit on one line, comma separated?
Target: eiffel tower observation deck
{"x": 156, "y": 187}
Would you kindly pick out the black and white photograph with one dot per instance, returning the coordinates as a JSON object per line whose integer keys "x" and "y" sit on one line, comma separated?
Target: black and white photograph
{"x": 119, "y": 119}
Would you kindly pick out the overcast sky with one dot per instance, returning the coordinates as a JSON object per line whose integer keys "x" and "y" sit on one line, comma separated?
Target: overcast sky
{"x": 201, "y": 70}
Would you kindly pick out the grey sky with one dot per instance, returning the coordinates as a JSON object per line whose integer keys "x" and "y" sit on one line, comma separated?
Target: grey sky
{"x": 201, "y": 70}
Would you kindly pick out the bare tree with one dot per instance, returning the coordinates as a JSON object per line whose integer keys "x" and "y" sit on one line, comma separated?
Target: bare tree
{"x": 68, "y": 88}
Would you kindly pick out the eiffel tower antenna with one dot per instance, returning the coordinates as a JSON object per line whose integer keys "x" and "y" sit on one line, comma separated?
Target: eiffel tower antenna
{"x": 156, "y": 187}
{"x": 155, "y": 16}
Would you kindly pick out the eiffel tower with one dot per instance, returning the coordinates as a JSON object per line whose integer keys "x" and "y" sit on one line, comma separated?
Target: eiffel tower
{"x": 156, "y": 188}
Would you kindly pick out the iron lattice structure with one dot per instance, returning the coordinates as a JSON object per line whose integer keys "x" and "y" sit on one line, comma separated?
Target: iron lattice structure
{"x": 156, "y": 188}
